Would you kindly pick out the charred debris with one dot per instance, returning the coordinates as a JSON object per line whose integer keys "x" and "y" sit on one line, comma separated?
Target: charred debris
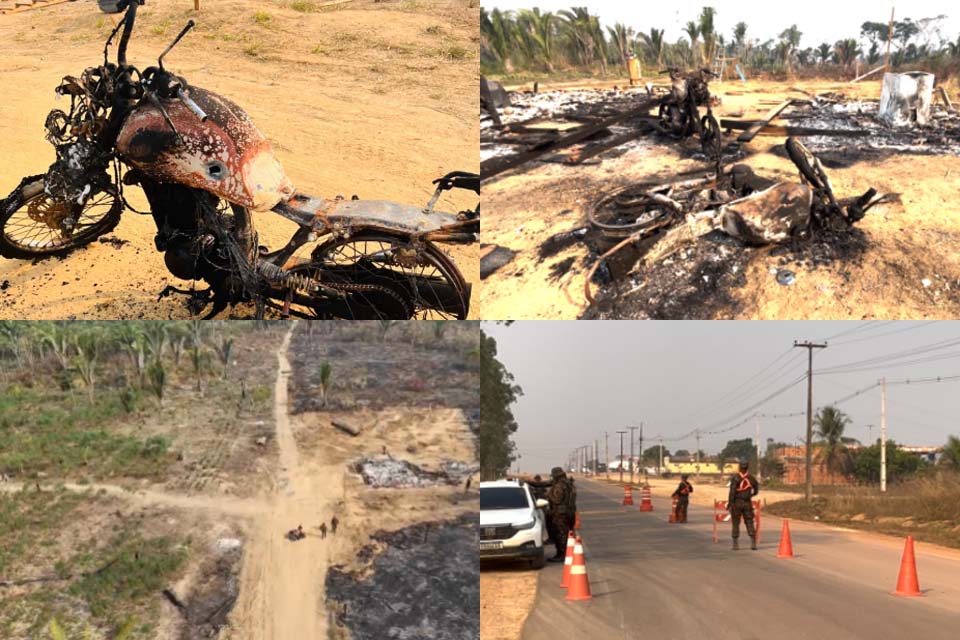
{"x": 681, "y": 245}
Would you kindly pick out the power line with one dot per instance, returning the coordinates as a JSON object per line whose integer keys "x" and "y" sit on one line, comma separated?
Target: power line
{"x": 912, "y": 327}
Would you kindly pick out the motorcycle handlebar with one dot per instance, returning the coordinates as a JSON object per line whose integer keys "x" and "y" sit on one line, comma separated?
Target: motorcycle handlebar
{"x": 193, "y": 106}
{"x": 129, "y": 20}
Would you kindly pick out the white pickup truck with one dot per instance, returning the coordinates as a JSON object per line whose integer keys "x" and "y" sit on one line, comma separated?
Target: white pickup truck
{"x": 512, "y": 523}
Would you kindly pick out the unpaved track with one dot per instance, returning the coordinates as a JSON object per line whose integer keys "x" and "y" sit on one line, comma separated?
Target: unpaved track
{"x": 281, "y": 593}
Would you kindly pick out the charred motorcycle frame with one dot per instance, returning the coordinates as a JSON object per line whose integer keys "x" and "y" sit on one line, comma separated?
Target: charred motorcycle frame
{"x": 205, "y": 169}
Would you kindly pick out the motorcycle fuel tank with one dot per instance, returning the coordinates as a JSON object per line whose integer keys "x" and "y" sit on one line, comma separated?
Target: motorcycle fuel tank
{"x": 225, "y": 155}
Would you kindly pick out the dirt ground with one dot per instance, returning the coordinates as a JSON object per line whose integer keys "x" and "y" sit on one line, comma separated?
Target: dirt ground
{"x": 227, "y": 489}
{"x": 369, "y": 98}
{"x": 907, "y": 243}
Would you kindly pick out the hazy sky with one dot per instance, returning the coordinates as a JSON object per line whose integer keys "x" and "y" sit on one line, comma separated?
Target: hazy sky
{"x": 818, "y": 20}
{"x": 586, "y": 377}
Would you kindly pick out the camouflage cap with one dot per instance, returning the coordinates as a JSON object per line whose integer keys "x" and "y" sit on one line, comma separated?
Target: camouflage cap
{"x": 556, "y": 472}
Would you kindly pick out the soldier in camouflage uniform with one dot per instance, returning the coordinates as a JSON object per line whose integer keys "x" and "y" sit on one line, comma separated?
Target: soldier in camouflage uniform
{"x": 743, "y": 486}
{"x": 558, "y": 495}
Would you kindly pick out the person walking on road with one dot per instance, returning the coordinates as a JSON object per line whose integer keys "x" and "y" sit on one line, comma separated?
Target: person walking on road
{"x": 558, "y": 495}
{"x": 743, "y": 486}
{"x": 682, "y": 494}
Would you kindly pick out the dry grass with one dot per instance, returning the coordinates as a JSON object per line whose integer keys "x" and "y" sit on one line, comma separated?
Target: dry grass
{"x": 928, "y": 508}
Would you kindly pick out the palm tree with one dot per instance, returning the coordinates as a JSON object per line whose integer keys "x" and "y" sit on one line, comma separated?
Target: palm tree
{"x": 707, "y": 33}
{"x": 846, "y": 51}
{"x": 653, "y": 42}
{"x": 791, "y": 40}
{"x": 830, "y": 423}
{"x": 621, "y": 36}
{"x": 823, "y": 52}
{"x": 584, "y": 34}
{"x": 693, "y": 31}
{"x": 740, "y": 37}
{"x": 498, "y": 35}
{"x": 537, "y": 31}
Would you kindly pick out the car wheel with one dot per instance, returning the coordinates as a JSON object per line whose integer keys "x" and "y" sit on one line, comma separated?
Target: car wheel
{"x": 538, "y": 562}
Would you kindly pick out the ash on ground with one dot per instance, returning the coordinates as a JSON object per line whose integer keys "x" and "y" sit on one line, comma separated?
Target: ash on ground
{"x": 400, "y": 474}
{"x": 423, "y": 585}
{"x": 941, "y": 136}
{"x": 213, "y": 596}
{"x": 694, "y": 283}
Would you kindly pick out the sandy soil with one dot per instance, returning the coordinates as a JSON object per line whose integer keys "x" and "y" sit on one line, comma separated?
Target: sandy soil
{"x": 373, "y": 99}
{"x": 507, "y": 594}
{"x": 907, "y": 242}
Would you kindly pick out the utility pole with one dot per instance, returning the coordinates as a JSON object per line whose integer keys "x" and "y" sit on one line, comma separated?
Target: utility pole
{"x": 883, "y": 435}
{"x": 698, "y": 454}
{"x": 606, "y": 452}
{"x": 640, "y": 451}
{"x": 758, "y": 449}
{"x": 632, "y": 429}
{"x": 621, "y": 454}
{"x": 596, "y": 454}
{"x": 660, "y": 466}
{"x": 809, "y": 346}
{"x": 870, "y": 437}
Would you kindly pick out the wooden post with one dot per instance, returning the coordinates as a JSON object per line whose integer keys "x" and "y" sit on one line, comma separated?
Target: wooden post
{"x": 196, "y": 5}
{"x": 886, "y": 63}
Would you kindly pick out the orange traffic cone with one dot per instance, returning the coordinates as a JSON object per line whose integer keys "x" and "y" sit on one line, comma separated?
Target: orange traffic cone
{"x": 627, "y": 495}
{"x": 579, "y": 587}
{"x": 907, "y": 583}
{"x": 568, "y": 560}
{"x": 576, "y": 523}
{"x": 673, "y": 511}
{"x": 646, "y": 503}
{"x": 786, "y": 544}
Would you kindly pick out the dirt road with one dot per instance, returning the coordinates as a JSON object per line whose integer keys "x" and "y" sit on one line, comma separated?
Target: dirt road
{"x": 651, "y": 578}
{"x": 374, "y": 99}
{"x": 281, "y": 592}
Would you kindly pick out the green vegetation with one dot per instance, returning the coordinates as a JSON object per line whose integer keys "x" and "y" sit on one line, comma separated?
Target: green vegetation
{"x": 128, "y": 569}
{"x": 46, "y": 432}
{"x": 262, "y": 17}
{"x": 573, "y": 42}
{"x": 497, "y": 393}
{"x": 30, "y": 518}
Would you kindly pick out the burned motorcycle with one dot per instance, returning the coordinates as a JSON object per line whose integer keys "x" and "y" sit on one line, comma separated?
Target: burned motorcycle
{"x": 206, "y": 170}
{"x": 680, "y": 109}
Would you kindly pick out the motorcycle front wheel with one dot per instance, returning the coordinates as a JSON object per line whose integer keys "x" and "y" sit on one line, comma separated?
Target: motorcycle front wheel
{"x": 35, "y": 225}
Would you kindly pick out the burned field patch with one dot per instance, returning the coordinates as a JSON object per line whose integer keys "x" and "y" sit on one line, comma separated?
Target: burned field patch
{"x": 374, "y": 366}
{"x": 420, "y": 581}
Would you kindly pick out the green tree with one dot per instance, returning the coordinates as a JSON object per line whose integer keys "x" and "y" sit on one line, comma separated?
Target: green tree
{"x": 950, "y": 456}
{"x": 707, "y": 33}
{"x": 326, "y": 371}
{"x": 790, "y": 37}
{"x": 900, "y": 464}
{"x": 740, "y": 37}
{"x": 824, "y": 51}
{"x": 693, "y": 32}
{"x": 654, "y": 45}
{"x": 87, "y": 345}
{"x": 738, "y": 449}
{"x": 651, "y": 455}
{"x": 497, "y": 393}
{"x": 538, "y": 36}
{"x": 846, "y": 51}
{"x": 621, "y": 36}
{"x": 831, "y": 448}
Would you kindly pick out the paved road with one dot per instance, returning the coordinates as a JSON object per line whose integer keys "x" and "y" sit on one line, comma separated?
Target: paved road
{"x": 654, "y": 579}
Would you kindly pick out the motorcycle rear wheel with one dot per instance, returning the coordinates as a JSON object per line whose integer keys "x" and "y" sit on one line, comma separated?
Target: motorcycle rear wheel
{"x": 24, "y": 237}
{"x": 431, "y": 281}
